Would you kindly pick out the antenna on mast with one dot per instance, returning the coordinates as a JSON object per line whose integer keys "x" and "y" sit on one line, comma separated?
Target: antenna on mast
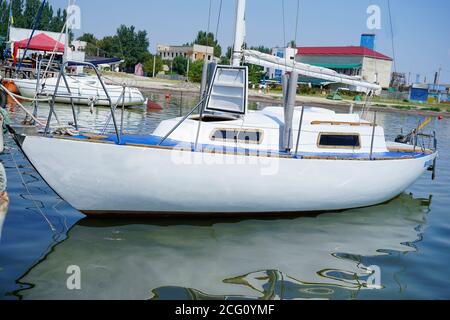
{"x": 239, "y": 36}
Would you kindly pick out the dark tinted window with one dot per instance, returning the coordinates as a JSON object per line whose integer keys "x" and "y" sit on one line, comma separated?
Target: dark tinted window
{"x": 246, "y": 136}
{"x": 338, "y": 140}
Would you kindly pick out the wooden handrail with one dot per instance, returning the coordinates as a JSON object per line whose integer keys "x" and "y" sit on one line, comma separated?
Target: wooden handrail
{"x": 340, "y": 123}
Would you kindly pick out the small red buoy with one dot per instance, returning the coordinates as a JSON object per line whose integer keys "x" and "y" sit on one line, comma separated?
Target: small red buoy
{"x": 168, "y": 96}
{"x": 151, "y": 105}
{"x": 441, "y": 118}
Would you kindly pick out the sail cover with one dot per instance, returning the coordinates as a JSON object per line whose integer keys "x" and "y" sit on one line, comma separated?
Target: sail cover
{"x": 306, "y": 70}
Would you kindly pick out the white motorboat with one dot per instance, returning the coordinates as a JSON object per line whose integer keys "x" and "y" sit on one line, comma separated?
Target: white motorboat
{"x": 228, "y": 160}
{"x": 83, "y": 90}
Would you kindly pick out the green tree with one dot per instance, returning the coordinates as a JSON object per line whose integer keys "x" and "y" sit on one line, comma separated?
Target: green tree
{"x": 109, "y": 46}
{"x": 89, "y": 38}
{"x": 195, "y": 71}
{"x": 4, "y": 17}
{"x": 148, "y": 65}
{"x": 262, "y": 49}
{"x": 225, "y": 61}
{"x": 128, "y": 44}
{"x": 208, "y": 39}
{"x": 179, "y": 65}
{"x": 17, "y": 9}
{"x": 92, "y": 46}
{"x": 46, "y": 17}
{"x": 30, "y": 12}
{"x": 58, "y": 21}
{"x": 255, "y": 73}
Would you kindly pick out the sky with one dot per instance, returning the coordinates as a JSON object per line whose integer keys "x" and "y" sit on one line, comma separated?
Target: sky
{"x": 421, "y": 28}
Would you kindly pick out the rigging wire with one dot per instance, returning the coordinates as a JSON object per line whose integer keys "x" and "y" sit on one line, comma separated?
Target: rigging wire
{"x": 209, "y": 25}
{"x": 218, "y": 19}
{"x": 35, "y": 202}
{"x": 297, "y": 22}
{"x": 392, "y": 35}
{"x": 284, "y": 23}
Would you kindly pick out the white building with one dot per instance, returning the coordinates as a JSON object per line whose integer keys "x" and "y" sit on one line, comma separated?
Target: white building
{"x": 194, "y": 53}
{"x": 288, "y": 53}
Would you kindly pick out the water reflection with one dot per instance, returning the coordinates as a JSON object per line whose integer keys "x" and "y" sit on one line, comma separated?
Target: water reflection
{"x": 306, "y": 257}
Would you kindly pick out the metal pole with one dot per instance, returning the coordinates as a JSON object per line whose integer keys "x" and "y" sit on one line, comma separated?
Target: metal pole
{"x": 299, "y": 131}
{"x": 38, "y": 80}
{"x": 200, "y": 120}
{"x": 416, "y": 137}
{"x": 154, "y": 65}
{"x": 188, "y": 67}
{"x": 108, "y": 121}
{"x": 204, "y": 78}
{"x": 437, "y": 85}
{"x": 71, "y": 102}
{"x": 52, "y": 103}
{"x": 289, "y": 111}
{"x": 123, "y": 111}
{"x": 66, "y": 41}
{"x": 180, "y": 122}
{"x": 373, "y": 134}
{"x": 239, "y": 33}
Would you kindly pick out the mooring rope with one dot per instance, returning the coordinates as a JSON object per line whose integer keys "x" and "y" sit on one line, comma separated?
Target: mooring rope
{"x": 29, "y": 193}
{"x": 22, "y": 106}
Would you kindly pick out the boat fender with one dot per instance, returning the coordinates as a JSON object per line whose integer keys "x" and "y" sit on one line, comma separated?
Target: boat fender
{"x": 151, "y": 105}
{"x": 92, "y": 100}
{"x": 433, "y": 168}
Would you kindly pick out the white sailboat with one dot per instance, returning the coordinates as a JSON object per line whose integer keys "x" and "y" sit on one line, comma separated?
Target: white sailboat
{"x": 83, "y": 91}
{"x": 230, "y": 161}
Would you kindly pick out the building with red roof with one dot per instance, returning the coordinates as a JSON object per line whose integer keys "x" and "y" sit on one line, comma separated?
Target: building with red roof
{"x": 361, "y": 61}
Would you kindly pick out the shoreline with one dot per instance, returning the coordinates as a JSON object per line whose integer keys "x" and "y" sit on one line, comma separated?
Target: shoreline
{"x": 161, "y": 86}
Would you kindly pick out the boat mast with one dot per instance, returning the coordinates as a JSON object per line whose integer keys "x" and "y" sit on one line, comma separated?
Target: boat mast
{"x": 67, "y": 34}
{"x": 239, "y": 35}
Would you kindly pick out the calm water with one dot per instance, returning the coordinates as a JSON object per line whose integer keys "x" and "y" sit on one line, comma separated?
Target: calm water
{"x": 322, "y": 257}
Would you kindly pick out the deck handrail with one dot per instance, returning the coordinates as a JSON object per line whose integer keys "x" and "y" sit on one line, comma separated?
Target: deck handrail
{"x": 62, "y": 75}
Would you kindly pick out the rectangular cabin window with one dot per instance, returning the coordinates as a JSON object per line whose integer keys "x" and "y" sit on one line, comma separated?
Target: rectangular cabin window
{"x": 339, "y": 141}
{"x": 241, "y": 136}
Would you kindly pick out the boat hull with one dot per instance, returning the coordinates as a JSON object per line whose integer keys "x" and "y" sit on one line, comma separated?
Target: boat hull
{"x": 133, "y": 180}
{"x": 81, "y": 93}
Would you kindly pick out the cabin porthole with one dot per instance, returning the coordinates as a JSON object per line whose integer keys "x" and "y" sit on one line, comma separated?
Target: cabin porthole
{"x": 339, "y": 141}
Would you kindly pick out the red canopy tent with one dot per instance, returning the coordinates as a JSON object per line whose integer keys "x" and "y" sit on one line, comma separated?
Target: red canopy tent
{"x": 40, "y": 42}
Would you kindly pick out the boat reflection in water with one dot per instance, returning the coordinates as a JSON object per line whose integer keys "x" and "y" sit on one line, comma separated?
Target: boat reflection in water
{"x": 308, "y": 257}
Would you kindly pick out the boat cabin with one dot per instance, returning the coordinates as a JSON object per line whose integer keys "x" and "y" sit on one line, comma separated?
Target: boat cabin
{"x": 322, "y": 131}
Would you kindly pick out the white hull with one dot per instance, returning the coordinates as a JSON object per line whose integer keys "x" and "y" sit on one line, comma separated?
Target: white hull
{"x": 124, "y": 180}
{"x": 83, "y": 91}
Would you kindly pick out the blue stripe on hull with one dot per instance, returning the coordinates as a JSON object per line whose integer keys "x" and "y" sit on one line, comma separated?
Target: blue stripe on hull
{"x": 152, "y": 141}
